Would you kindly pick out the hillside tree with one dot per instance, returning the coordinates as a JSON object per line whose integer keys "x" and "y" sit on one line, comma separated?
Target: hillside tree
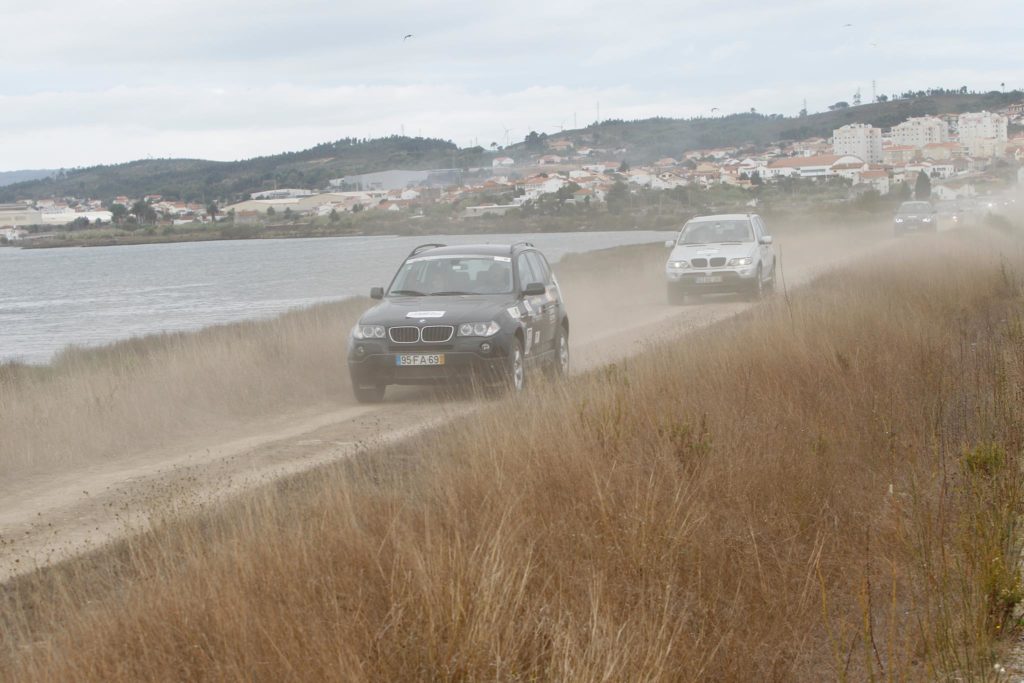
{"x": 923, "y": 186}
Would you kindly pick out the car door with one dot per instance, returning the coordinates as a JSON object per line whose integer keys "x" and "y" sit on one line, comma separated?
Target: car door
{"x": 766, "y": 251}
{"x": 549, "y": 302}
{"x": 533, "y": 307}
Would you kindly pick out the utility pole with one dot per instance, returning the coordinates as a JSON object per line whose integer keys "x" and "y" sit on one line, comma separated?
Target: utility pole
{"x": 874, "y": 91}
{"x": 599, "y": 111}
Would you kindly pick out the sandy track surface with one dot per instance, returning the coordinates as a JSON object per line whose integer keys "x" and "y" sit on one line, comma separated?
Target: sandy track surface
{"x": 614, "y": 313}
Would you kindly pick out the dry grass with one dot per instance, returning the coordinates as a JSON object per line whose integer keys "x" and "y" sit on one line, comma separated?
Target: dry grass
{"x": 824, "y": 488}
{"x": 96, "y": 404}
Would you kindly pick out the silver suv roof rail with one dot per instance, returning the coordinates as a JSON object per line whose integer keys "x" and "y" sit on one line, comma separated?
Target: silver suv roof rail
{"x": 512, "y": 247}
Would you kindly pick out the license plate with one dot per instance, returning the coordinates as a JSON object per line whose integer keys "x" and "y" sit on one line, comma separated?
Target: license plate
{"x": 708, "y": 279}
{"x": 419, "y": 359}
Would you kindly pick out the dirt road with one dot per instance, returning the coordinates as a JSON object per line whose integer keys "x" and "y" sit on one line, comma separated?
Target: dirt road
{"x": 616, "y": 309}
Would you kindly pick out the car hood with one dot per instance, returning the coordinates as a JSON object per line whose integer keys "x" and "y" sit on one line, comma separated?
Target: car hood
{"x": 438, "y": 310}
{"x": 728, "y": 251}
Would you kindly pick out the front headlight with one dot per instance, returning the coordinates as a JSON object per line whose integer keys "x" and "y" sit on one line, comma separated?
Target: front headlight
{"x": 927, "y": 219}
{"x": 479, "y": 329}
{"x": 745, "y": 261}
{"x": 368, "y": 332}
{"x": 899, "y": 220}
{"x": 678, "y": 265}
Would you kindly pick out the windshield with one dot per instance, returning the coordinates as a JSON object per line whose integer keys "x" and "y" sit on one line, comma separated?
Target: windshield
{"x": 709, "y": 232}
{"x": 915, "y": 207}
{"x": 453, "y": 275}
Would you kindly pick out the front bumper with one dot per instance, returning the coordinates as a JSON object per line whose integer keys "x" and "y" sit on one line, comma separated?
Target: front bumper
{"x": 731, "y": 279}
{"x": 914, "y": 225}
{"x": 373, "y": 363}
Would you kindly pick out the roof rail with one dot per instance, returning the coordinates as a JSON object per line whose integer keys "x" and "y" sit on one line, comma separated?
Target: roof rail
{"x": 513, "y": 246}
{"x": 422, "y": 247}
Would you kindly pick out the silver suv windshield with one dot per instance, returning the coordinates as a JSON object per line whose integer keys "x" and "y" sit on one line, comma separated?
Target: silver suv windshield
{"x": 716, "y": 232}
{"x": 915, "y": 207}
{"x": 453, "y": 275}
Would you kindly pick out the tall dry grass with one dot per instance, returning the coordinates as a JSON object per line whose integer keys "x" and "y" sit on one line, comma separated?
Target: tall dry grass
{"x": 94, "y": 404}
{"x": 826, "y": 487}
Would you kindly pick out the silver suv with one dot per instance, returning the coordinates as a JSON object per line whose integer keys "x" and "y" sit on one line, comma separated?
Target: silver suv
{"x": 724, "y": 253}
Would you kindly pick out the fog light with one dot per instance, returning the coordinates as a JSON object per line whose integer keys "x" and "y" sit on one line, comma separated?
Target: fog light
{"x": 360, "y": 350}
{"x": 485, "y": 347}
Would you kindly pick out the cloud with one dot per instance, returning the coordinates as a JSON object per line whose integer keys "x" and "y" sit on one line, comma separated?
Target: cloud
{"x": 105, "y": 80}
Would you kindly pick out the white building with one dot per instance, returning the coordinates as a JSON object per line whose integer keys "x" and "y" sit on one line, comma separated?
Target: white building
{"x": 818, "y": 166}
{"x": 284, "y": 193}
{"x": 983, "y": 134}
{"x": 16, "y": 215}
{"x": 920, "y": 131}
{"x": 859, "y": 140}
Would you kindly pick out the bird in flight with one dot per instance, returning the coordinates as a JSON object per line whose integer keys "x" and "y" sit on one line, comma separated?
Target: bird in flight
{"x": 407, "y": 36}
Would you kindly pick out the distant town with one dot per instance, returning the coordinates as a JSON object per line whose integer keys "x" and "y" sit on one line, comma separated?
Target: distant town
{"x": 955, "y": 151}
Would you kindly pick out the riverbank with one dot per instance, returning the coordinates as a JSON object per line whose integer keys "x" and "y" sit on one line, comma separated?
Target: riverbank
{"x": 660, "y": 216}
{"x": 758, "y": 500}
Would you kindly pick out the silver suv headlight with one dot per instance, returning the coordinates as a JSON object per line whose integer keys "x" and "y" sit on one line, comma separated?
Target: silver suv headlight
{"x": 745, "y": 261}
{"x": 368, "y": 332}
{"x": 479, "y": 329}
{"x": 678, "y": 265}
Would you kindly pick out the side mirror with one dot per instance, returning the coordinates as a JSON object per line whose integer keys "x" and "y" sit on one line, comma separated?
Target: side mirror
{"x": 670, "y": 243}
{"x": 377, "y": 293}
{"x": 766, "y": 239}
{"x": 535, "y": 289}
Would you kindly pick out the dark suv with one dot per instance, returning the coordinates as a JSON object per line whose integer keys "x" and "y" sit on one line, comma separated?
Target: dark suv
{"x": 485, "y": 312}
{"x": 915, "y": 217}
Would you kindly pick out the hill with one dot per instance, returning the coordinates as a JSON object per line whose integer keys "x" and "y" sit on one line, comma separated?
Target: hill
{"x": 644, "y": 141}
{"x": 651, "y": 139}
{"x": 12, "y": 177}
{"x": 201, "y": 180}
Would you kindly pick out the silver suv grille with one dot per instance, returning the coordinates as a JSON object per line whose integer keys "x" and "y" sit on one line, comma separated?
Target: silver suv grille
{"x": 717, "y": 261}
{"x": 699, "y": 262}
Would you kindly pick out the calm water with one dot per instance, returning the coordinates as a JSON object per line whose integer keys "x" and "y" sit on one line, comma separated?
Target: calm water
{"x": 50, "y": 298}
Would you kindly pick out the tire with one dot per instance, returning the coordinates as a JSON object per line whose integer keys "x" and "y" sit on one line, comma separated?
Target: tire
{"x": 675, "y": 296}
{"x": 515, "y": 368}
{"x": 757, "y": 290}
{"x": 559, "y": 367}
{"x": 374, "y": 394}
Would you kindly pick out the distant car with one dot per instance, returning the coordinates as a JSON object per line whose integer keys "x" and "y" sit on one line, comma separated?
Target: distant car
{"x": 724, "y": 253}
{"x": 916, "y": 217}
{"x": 485, "y": 313}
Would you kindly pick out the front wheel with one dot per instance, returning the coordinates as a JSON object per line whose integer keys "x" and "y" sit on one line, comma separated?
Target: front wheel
{"x": 757, "y": 289}
{"x": 516, "y": 367}
{"x": 371, "y": 394}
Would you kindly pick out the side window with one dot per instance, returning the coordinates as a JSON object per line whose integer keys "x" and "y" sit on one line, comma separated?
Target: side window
{"x": 540, "y": 267}
{"x": 526, "y": 274}
{"x": 755, "y": 221}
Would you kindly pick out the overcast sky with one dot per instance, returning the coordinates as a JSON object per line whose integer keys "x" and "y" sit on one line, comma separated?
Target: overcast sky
{"x": 84, "y": 82}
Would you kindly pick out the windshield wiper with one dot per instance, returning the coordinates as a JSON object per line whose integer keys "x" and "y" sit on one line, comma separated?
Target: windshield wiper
{"x": 448, "y": 293}
{"x": 405, "y": 292}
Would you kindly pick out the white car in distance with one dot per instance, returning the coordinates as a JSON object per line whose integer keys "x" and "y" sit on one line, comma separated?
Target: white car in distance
{"x": 728, "y": 253}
